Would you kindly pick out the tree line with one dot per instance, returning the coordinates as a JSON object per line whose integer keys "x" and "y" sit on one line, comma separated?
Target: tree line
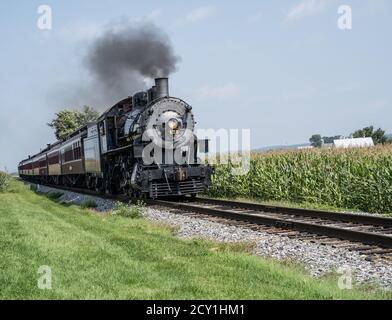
{"x": 378, "y": 136}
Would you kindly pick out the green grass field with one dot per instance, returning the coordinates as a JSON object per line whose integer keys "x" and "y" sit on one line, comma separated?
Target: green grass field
{"x": 96, "y": 256}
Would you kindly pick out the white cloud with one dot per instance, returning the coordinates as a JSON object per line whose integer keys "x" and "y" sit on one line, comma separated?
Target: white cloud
{"x": 200, "y": 13}
{"x": 224, "y": 92}
{"x": 306, "y": 8}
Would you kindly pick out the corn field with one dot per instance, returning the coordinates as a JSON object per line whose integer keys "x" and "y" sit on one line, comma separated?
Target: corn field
{"x": 345, "y": 178}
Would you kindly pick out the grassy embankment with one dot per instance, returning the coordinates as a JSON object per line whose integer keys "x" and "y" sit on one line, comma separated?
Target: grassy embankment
{"x": 354, "y": 179}
{"x": 112, "y": 257}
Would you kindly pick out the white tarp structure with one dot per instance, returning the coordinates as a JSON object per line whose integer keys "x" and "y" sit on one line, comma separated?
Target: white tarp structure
{"x": 353, "y": 143}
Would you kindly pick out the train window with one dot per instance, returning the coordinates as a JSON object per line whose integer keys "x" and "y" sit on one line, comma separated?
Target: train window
{"x": 68, "y": 154}
{"x": 42, "y": 163}
{"x": 77, "y": 150}
{"x": 53, "y": 158}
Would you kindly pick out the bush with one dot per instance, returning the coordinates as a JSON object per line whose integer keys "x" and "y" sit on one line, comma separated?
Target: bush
{"x": 346, "y": 178}
{"x": 129, "y": 210}
{"x": 5, "y": 180}
{"x": 89, "y": 204}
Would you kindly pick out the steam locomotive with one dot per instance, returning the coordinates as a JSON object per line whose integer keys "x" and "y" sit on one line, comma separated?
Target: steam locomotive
{"x": 143, "y": 146}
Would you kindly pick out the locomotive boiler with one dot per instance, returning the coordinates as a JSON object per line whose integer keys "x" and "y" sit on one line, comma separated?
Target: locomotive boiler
{"x": 143, "y": 146}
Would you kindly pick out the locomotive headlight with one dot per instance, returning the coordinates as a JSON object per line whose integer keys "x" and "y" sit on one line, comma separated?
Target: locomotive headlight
{"x": 173, "y": 124}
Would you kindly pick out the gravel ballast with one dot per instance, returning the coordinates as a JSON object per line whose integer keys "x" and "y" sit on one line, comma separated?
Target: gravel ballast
{"x": 317, "y": 259}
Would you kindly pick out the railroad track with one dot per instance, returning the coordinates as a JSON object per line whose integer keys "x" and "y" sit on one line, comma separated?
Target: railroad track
{"x": 369, "y": 235}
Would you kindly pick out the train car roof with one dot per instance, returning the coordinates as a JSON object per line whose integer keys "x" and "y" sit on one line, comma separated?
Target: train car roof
{"x": 75, "y": 134}
{"x": 125, "y": 104}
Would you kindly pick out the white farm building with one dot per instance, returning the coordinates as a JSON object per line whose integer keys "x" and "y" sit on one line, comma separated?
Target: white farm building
{"x": 353, "y": 143}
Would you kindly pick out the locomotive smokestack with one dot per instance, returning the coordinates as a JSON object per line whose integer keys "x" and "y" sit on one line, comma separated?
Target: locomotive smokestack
{"x": 162, "y": 87}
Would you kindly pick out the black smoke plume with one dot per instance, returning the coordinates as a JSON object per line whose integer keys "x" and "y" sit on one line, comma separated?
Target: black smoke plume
{"x": 125, "y": 55}
{"x": 124, "y": 59}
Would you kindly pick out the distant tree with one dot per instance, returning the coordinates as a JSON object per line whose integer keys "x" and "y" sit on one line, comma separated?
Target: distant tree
{"x": 316, "y": 140}
{"x": 363, "y": 133}
{"x": 67, "y": 121}
{"x": 87, "y": 115}
{"x": 330, "y": 139}
{"x": 379, "y": 136}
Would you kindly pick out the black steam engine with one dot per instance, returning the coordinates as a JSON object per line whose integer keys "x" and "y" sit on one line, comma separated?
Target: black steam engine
{"x": 143, "y": 146}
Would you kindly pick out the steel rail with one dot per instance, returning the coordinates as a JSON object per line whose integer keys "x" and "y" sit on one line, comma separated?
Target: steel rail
{"x": 330, "y": 215}
{"x": 289, "y": 223}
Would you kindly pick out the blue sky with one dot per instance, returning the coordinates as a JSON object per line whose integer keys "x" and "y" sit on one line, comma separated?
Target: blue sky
{"x": 280, "y": 68}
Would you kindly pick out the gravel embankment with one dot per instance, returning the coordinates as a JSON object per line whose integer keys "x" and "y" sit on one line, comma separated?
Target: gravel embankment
{"x": 316, "y": 258}
{"x": 103, "y": 205}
